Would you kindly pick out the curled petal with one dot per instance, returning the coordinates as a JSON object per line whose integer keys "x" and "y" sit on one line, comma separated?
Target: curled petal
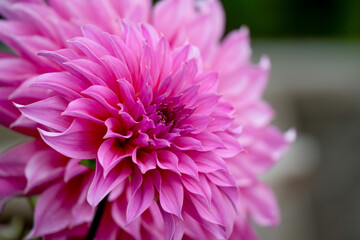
{"x": 110, "y": 154}
{"x": 47, "y": 112}
{"x": 144, "y": 160}
{"x": 88, "y": 109}
{"x": 101, "y": 186}
{"x": 81, "y": 140}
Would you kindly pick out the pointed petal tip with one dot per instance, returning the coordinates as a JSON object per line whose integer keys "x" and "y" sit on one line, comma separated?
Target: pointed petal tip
{"x": 265, "y": 62}
{"x": 290, "y": 135}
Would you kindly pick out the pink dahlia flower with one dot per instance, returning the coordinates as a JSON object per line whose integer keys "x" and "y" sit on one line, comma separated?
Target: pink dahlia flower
{"x": 171, "y": 117}
{"x": 150, "y": 116}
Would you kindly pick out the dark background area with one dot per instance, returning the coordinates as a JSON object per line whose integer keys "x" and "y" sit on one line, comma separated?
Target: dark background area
{"x": 296, "y": 18}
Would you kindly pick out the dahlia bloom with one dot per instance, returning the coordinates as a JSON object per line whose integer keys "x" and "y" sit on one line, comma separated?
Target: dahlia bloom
{"x": 171, "y": 119}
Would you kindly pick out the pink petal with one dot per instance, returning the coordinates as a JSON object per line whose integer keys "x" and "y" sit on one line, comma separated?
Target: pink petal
{"x": 101, "y": 186}
{"x": 14, "y": 160}
{"x": 206, "y": 103}
{"x": 74, "y": 169}
{"x": 14, "y": 70}
{"x": 199, "y": 187}
{"x": 48, "y": 112}
{"x": 62, "y": 56}
{"x": 264, "y": 147}
{"x": 118, "y": 67}
{"x": 8, "y": 112}
{"x": 90, "y": 48}
{"x": 208, "y": 161}
{"x": 258, "y": 114}
{"x": 262, "y": 204}
{"x": 117, "y": 128}
{"x": 125, "y": 54}
{"x": 174, "y": 227}
{"x": 110, "y": 154}
{"x": 118, "y": 213}
{"x": 144, "y": 160}
{"x": 171, "y": 194}
{"x": 231, "y": 145}
{"x": 140, "y": 200}
{"x": 29, "y": 46}
{"x": 81, "y": 140}
{"x": 50, "y": 216}
{"x": 206, "y": 30}
{"x": 105, "y": 96}
{"x": 88, "y": 109}
{"x": 167, "y": 160}
{"x": 221, "y": 178}
{"x": 187, "y": 165}
{"x": 25, "y": 94}
{"x": 85, "y": 68}
{"x": 234, "y": 51}
{"x": 25, "y": 126}
{"x": 209, "y": 141}
{"x": 162, "y": 55}
{"x": 187, "y": 143}
{"x": 64, "y": 83}
{"x": 199, "y": 122}
{"x": 209, "y": 81}
{"x": 43, "y": 168}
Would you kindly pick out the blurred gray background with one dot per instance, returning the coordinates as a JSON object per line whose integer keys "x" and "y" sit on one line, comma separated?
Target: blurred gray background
{"x": 314, "y": 47}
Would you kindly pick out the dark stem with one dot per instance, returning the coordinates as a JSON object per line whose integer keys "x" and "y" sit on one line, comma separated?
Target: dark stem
{"x": 97, "y": 218}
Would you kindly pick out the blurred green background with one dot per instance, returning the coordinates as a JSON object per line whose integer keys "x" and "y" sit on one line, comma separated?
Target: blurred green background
{"x": 296, "y": 18}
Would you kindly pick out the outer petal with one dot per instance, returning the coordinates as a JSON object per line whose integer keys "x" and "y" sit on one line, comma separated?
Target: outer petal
{"x": 180, "y": 20}
{"x": 43, "y": 168}
{"x": 264, "y": 147}
{"x": 63, "y": 83}
{"x": 261, "y": 204}
{"x": 118, "y": 212}
{"x": 12, "y": 168}
{"x": 81, "y": 140}
{"x": 51, "y": 213}
{"x": 8, "y": 112}
{"x": 234, "y": 52}
{"x": 48, "y": 112}
{"x": 14, "y": 70}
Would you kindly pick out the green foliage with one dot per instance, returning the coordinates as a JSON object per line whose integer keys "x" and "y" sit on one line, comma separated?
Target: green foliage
{"x": 90, "y": 163}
